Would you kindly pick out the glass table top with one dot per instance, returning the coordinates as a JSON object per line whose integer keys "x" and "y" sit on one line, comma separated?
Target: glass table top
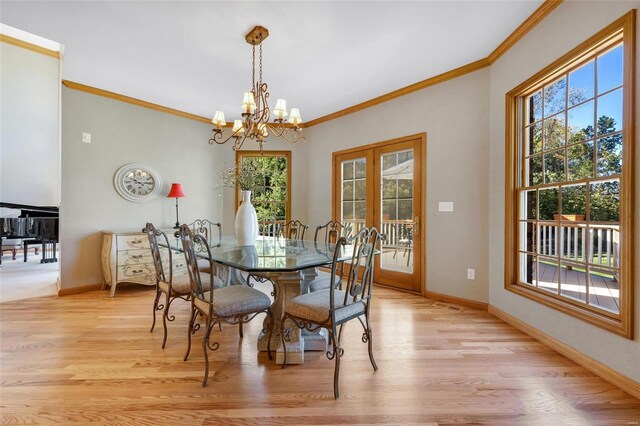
{"x": 270, "y": 254}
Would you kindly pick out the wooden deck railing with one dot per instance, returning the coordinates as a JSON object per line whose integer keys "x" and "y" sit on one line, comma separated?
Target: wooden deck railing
{"x": 598, "y": 244}
{"x": 398, "y": 232}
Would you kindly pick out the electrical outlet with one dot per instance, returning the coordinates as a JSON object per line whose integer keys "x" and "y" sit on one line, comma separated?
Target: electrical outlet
{"x": 86, "y": 137}
{"x": 471, "y": 274}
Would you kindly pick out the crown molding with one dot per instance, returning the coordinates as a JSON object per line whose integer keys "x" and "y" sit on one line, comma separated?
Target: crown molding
{"x": 128, "y": 99}
{"x": 523, "y": 29}
{"x": 440, "y": 78}
{"x": 29, "y": 46}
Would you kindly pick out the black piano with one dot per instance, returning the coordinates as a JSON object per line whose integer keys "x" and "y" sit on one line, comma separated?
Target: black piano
{"x": 35, "y": 225}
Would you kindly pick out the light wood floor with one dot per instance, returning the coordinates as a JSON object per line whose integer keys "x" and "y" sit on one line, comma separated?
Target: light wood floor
{"x": 90, "y": 359}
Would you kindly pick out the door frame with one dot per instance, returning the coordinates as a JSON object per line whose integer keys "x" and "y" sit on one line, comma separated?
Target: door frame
{"x": 335, "y": 207}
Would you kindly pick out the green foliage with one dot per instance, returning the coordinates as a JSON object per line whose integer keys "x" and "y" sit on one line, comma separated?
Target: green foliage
{"x": 270, "y": 189}
{"x": 604, "y": 196}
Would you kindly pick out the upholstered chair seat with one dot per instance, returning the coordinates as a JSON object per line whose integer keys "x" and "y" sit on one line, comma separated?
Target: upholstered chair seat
{"x": 235, "y": 300}
{"x": 315, "y": 306}
{"x": 182, "y": 283}
{"x": 321, "y": 282}
{"x": 204, "y": 266}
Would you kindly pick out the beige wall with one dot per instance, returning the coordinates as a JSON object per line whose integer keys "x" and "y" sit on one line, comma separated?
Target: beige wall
{"x": 570, "y": 24}
{"x": 455, "y": 117}
{"x": 29, "y": 127}
{"x": 175, "y": 147}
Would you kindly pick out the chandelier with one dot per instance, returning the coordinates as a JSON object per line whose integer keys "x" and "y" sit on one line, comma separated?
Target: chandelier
{"x": 255, "y": 124}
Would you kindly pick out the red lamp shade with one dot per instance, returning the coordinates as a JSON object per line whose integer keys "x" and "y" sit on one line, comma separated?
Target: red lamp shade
{"x": 176, "y": 191}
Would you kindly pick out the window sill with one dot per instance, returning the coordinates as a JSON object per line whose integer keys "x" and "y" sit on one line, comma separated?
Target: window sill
{"x": 614, "y": 325}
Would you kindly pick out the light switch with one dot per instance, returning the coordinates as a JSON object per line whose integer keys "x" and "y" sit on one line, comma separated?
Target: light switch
{"x": 445, "y": 206}
{"x": 86, "y": 137}
{"x": 471, "y": 274}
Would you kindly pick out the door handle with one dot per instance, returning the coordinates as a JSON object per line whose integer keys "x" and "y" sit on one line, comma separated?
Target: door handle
{"x": 416, "y": 225}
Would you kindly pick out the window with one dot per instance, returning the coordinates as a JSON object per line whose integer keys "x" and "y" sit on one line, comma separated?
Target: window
{"x": 570, "y": 180}
{"x": 272, "y": 198}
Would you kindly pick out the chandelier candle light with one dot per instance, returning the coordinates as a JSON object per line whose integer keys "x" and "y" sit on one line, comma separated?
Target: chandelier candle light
{"x": 255, "y": 109}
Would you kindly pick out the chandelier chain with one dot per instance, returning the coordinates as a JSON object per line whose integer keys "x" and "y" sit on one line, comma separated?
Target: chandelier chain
{"x": 261, "y": 64}
{"x": 253, "y": 69}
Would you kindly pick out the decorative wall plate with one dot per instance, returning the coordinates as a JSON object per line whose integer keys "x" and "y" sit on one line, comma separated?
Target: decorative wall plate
{"x": 137, "y": 182}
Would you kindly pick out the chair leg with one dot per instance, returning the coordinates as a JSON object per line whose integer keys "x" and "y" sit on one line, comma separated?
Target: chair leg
{"x": 270, "y": 319}
{"x": 369, "y": 335}
{"x": 205, "y": 347}
{"x": 155, "y": 308}
{"x": 164, "y": 321}
{"x": 14, "y": 251}
{"x": 194, "y": 314}
{"x": 240, "y": 329}
{"x": 336, "y": 371}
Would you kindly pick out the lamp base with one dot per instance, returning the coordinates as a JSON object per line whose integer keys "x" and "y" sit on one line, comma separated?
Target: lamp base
{"x": 177, "y": 225}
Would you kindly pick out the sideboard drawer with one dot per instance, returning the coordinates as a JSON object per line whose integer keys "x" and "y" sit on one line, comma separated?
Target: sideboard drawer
{"x": 144, "y": 273}
{"x": 129, "y": 242}
{"x": 130, "y": 257}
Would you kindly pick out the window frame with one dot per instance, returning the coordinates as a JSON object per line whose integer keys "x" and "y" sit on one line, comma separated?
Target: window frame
{"x": 623, "y": 29}
{"x": 257, "y": 153}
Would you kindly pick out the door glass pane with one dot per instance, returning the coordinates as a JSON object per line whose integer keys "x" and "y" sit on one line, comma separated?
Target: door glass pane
{"x": 396, "y": 195}
{"x": 354, "y": 193}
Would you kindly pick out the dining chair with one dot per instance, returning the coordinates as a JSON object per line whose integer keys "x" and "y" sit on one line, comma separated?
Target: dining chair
{"x": 235, "y": 304}
{"x": 175, "y": 287}
{"x": 331, "y": 308}
{"x": 329, "y": 234}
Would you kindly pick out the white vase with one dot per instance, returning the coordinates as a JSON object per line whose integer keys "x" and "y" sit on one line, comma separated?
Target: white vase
{"x": 246, "y": 224}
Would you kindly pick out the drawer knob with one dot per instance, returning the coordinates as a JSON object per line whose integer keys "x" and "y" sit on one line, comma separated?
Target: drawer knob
{"x": 136, "y": 241}
{"x": 136, "y": 256}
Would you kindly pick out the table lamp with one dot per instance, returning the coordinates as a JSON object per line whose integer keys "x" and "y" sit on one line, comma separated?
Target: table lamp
{"x": 176, "y": 192}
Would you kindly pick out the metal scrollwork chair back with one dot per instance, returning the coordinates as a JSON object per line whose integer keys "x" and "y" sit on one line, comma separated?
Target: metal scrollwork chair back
{"x": 331, "y": 308}
{"x": 207, "y": 229}
{"x": 293, "y": 230}
{"x": 236, "y": 304}
{"x": 212, "y": 232}
{"x": 332, "y": 231}
{"x": 329, "y": 233}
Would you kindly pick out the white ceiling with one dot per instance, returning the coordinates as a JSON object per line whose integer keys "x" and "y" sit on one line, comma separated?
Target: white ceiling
{"x": 320, "y": 56}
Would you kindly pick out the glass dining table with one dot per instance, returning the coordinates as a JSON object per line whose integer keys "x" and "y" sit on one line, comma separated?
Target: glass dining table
{"x": 291, "y": 265}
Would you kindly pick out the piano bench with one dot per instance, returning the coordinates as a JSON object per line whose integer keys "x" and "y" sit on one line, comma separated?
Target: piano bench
{"x": 12, "y": 245}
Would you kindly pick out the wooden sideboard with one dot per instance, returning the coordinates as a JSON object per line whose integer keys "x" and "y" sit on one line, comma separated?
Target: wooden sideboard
{"x": 126, "y": 258}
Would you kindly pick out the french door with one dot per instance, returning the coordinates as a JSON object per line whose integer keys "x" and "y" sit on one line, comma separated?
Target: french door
{"x": 381, "y": 185}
